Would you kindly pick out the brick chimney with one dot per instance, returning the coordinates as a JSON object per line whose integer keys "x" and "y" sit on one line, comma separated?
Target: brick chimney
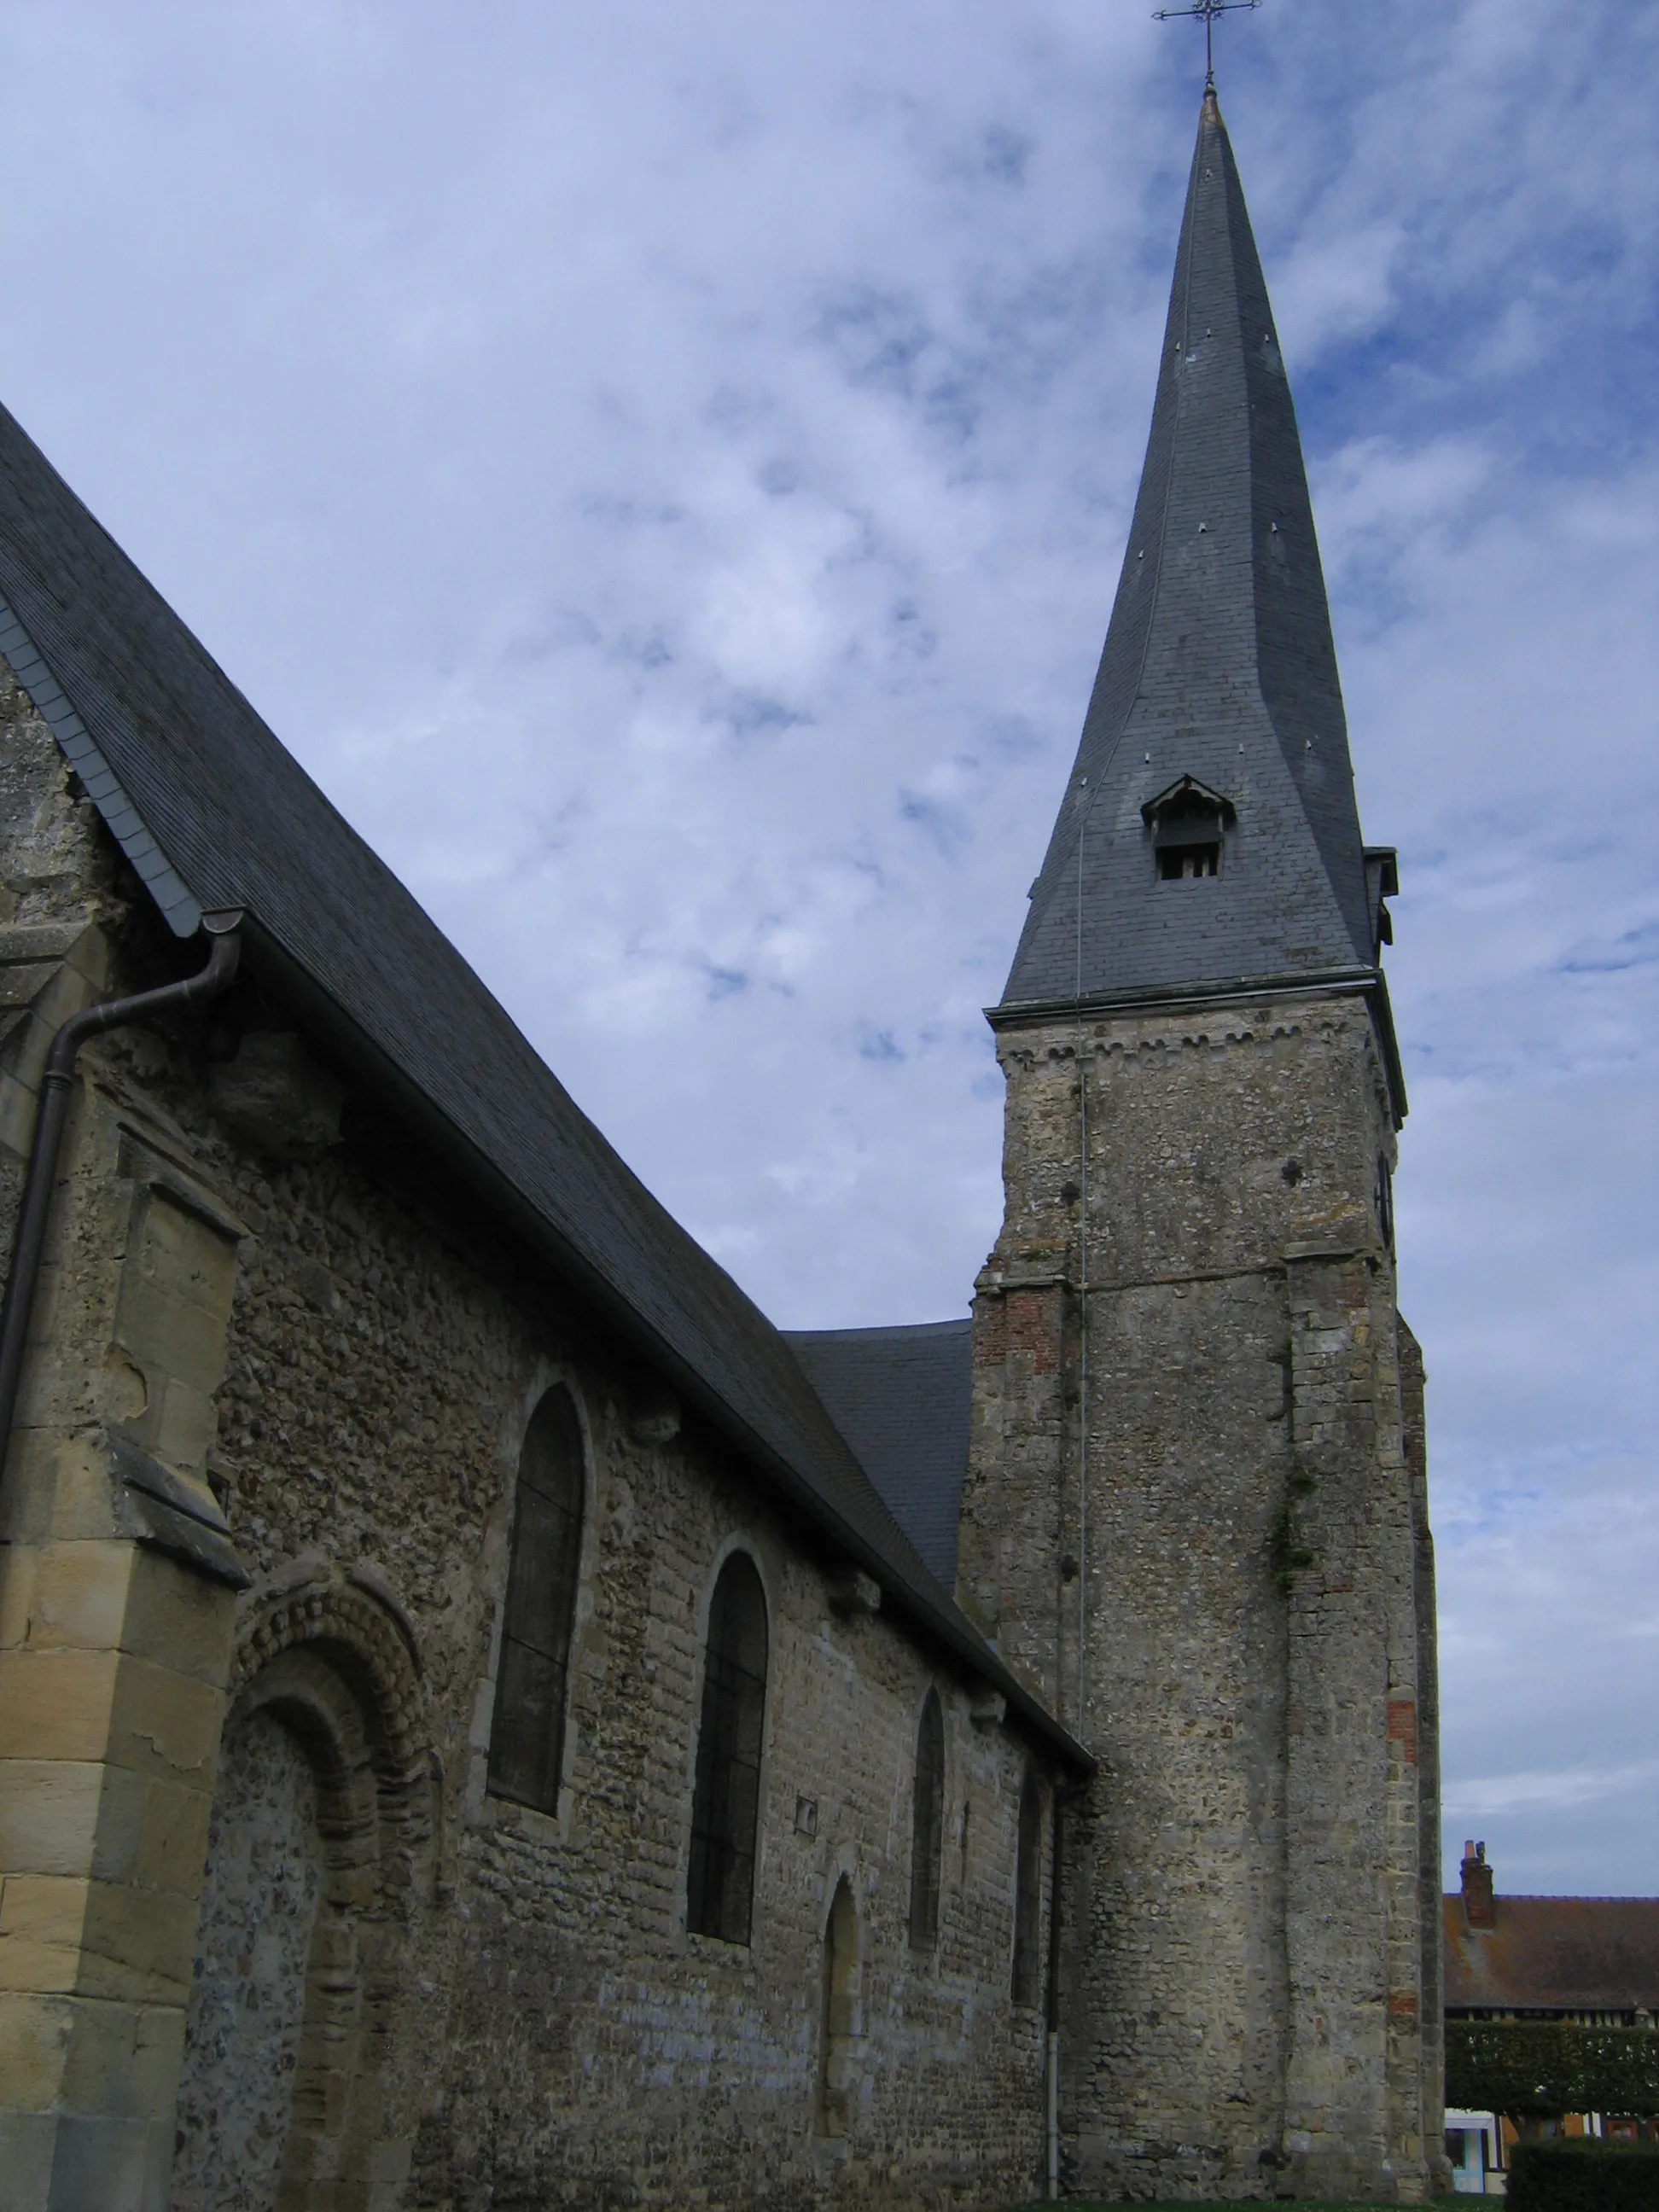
{"x": 1480, "y": 1907}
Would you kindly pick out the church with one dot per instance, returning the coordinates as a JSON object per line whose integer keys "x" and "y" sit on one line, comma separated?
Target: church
{"x": 488, "y": 1720}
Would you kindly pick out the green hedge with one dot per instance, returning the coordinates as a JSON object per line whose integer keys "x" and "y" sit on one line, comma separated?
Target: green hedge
{"x": 1548, "y": 2067}
{"x": 1561, "y": 2176}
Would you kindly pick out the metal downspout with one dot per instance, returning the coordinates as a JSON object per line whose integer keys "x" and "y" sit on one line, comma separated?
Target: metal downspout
{"x": 56, "y": 1086}
{"x": 1054, "y": 1881}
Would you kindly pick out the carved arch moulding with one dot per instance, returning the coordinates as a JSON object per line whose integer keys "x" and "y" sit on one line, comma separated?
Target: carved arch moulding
{"x": 327, "y": 1652}
{"x": 353, "y": 1611}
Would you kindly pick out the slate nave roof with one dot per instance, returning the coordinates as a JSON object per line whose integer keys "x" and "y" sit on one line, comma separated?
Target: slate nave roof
{"x": 215, "y": 814}
{"x": 903, "y": 1399}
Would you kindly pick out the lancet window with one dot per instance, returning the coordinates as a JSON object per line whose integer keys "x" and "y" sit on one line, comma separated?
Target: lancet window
{"x": 1028, "y": 1894}
{"x": 725, "y": 1799}
{"x": 526, "y": 1735}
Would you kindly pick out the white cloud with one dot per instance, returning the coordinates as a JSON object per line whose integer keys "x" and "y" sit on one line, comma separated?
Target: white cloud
{"x": 1560, "y": 1789}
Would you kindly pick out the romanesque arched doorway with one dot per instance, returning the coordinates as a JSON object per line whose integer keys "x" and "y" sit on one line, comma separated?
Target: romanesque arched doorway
{"x": 841, "y": 2020}
{"x": 322, "y": 1810}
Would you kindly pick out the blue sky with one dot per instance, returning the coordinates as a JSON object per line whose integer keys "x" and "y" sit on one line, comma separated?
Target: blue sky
{"x": 663, "y": 468}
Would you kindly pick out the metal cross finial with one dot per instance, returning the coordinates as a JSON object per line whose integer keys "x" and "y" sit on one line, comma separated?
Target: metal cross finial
{"x": 1207, "y": 10}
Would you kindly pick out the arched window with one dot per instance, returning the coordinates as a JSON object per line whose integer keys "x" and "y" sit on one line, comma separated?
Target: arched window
{"x": 526, "y": 1735}
{"x": 1028, "y": 1894}
{"x": 927, "y": 1824}
{"x": 726, "y": 1804}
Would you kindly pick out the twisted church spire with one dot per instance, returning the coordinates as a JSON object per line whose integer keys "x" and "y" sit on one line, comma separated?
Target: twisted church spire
{"x": 1208, "y": 838}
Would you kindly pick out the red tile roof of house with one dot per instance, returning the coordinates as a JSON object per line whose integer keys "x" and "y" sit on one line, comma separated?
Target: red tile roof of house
{"x": 1554, "y": 1954}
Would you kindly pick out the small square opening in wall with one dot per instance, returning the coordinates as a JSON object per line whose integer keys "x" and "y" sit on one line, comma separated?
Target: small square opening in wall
{"x": 1179, "y": 864}
{"x": 807, "y": 1816}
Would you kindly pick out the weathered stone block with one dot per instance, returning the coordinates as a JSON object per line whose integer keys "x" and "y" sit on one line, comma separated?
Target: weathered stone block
{"x": 120, "y": 2059}
{"x": 165, "y": 1725}
{"x": 37, "y": 1958}
{"x": 137, "y": 1944}
{"x": 57, "y": 1489}
{"x": 79, "y": 1596}
{"x": 51, "y": 1813}
{"x": 57, "y": 1704}
{"x": 44, "y": 1908}
{"x": 35, "y": 2035}
{"x": 118, "y": 2165}
{"x": 28, "y": 2141}
{"x": 176, "y": 1287}
{"x": 171, "y": 1849}
{"x": 179, "y": 1424}
{"x": 177, "y": 1620}
{"x": 18, "y": 1563}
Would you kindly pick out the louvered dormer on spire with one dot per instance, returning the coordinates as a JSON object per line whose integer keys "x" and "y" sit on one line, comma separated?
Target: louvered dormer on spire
{"x": 1218, "y": 680}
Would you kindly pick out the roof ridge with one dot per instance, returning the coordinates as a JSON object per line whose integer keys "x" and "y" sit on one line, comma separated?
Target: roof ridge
{"x": 885, "y": 1330}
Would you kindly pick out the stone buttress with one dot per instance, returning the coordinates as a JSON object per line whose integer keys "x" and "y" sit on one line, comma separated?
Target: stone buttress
{"x": 117, "y": 1578}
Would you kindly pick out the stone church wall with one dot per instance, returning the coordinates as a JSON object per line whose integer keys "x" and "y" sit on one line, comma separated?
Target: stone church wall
{"x": 297, "y": 1320}
{"x": 591, "y": 2037}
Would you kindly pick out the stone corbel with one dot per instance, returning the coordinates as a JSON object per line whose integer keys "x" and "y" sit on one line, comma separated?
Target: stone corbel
{"x": 852, "y": 1591}
{"x": 988, "y": 1709}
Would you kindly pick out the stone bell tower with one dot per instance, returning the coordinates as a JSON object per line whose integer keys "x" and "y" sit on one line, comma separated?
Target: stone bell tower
{"x": 1196, "y": 1512}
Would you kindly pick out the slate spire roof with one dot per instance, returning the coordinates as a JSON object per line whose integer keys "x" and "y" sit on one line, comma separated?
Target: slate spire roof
{"x": 1217, "y": 715}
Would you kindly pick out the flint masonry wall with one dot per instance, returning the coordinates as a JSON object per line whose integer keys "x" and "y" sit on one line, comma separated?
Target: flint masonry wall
{"x": 596, "y": 2052}
{"x": 493, "y": 2006}
{"x": 1244, "y": 2002}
